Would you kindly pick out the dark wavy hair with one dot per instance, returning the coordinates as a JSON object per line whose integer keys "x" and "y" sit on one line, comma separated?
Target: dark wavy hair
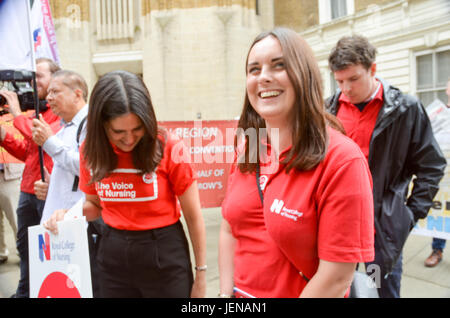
{"x": 352, "y": 50}
{"x": 309, "y": 134}
{"x": 115, "y": 94}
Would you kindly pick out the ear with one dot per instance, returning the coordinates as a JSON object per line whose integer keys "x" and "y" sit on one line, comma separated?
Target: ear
{"x": 373, "y": 69}
{"x": 79, "y": 93}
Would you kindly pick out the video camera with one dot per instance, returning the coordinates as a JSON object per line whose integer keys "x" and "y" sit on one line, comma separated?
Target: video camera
{"x": 20, "y": 81}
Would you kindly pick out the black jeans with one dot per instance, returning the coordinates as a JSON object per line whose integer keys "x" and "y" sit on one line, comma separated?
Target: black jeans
{"x": 153, "y": 263}
{"x": 29, "y": 213}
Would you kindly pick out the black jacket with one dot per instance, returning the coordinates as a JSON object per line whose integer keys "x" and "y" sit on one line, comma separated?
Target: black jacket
{"x": 402, "y": 146}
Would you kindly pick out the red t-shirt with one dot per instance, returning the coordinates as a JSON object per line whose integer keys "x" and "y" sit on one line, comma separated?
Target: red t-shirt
{"x": 259, "y": 265}
{"x": 325, "y": 213}
{"x": 136, "y": 202}
{"x": 358, "y": 124}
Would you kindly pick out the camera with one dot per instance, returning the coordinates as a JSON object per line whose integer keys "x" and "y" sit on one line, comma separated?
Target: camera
{"x": 19, "y": 82}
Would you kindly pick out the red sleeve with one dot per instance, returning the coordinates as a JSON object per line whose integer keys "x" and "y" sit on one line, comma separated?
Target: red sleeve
{"x": 17, "y": 148}
{"x": 85, "y": 176}
{"x": 23, "y": 124}
{"x": 180, "y": 172}
{"x": 346, "y": 225}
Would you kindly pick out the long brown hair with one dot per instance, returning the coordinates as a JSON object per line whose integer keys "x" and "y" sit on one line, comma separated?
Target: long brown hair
{"x": 115, "y": 94}
{"x": 309, "y": 134}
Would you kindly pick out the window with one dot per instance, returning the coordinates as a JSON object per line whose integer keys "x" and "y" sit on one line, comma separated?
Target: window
{"x": 432, "y": 74}
{"x": 115, "y": 19}
{"x": 338, "y": 8}
{"x": 333, "y": 9}
{"x": 333, "y": 84}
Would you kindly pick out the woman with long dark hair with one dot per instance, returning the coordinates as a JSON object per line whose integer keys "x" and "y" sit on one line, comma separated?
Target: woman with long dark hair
{"x": 130, "y": 179}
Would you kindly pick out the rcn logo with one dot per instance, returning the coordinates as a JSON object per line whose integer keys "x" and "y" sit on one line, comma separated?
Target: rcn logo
{"x": 277, "y": 205}
{"x": 279, "y": 208}
{"x": 44, "y": 247}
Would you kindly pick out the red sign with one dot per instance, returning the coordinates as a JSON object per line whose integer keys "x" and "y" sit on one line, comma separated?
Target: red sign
{"x": 211, "y": 149}
{"x": 58, "y": 285}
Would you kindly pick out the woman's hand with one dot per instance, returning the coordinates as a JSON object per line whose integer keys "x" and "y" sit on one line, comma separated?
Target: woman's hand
{"x": 51, "y": 224}
{"x": 199, "y": 286}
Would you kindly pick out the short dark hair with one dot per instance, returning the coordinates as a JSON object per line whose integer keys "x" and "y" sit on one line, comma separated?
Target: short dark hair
{"x": 52, "y": 66}
{"x": 352, "y": 50}
{"x": 115, "y": 94}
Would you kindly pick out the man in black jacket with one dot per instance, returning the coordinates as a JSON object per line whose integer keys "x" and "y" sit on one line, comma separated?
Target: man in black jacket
{"x": 394, "y": 132}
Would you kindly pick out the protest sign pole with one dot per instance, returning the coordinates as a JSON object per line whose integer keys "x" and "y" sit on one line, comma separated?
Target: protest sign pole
{"x": 35, "y": 92}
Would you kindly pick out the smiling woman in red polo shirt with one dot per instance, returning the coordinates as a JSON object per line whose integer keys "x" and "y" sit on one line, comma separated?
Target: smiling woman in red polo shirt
{"x": 312, "y": 221}
{"x": 131, "y": 179}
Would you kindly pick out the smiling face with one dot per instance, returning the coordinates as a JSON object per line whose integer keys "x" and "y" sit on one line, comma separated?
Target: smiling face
{"x": 125, "y": 131}
{"x": 269, "y": 88}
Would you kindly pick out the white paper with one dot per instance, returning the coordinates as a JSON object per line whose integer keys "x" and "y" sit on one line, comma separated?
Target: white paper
{"x": 75, "y": 212}
{"x": 59, "y": 264}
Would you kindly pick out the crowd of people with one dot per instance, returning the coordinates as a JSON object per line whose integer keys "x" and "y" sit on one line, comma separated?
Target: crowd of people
{"x": 324, "y": 190}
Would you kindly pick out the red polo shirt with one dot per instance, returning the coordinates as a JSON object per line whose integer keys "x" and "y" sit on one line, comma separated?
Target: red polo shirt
{"x": 325, "y": 213}
{"x": 358, "y": 124}
{"x": 260, "y": 268}
{"x": 136, "y": 202}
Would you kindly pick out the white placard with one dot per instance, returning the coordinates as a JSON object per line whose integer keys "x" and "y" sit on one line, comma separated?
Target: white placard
{"x": 59, "y": 264}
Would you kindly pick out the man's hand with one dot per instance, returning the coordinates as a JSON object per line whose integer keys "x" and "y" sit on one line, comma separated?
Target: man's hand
{"x": 12, "y": 101}
{"x": 41, "y": 131}
{"x": 41, "y": 187}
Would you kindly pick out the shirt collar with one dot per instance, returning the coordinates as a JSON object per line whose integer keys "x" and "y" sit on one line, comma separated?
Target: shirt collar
{"x": 282, "y": 154}
{"x": 76, "y": 120}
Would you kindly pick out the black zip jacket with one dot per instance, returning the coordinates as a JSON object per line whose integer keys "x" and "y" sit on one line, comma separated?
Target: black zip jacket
{"x": 402, "y": 146}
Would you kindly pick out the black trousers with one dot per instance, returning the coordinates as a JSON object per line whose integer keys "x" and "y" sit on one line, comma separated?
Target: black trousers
{"x": 94, "y": 232}
{"x": 29, "y": 213}
{"x": 151, "y": 264}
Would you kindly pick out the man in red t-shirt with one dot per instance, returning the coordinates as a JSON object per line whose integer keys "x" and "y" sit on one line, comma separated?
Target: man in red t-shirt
{"x": 394, "y": 133}
{"x": 30, "y": 208}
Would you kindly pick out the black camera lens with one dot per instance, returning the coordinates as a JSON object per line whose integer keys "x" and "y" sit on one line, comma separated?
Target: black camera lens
{"x": 2, "y": 101}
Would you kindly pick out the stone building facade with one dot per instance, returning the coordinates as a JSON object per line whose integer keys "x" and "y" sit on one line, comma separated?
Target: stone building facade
{"x": 191, "y": 53}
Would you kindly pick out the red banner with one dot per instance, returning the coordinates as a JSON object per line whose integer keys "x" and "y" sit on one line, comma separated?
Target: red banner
{"x": 211, "y": 148}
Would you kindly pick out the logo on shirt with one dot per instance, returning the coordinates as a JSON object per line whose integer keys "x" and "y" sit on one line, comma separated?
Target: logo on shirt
{"x": 263, "y": 181}
{"x": 279, "y": 208}
{"x": 129, "y": 191}
{"x": 149, "y": 177}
